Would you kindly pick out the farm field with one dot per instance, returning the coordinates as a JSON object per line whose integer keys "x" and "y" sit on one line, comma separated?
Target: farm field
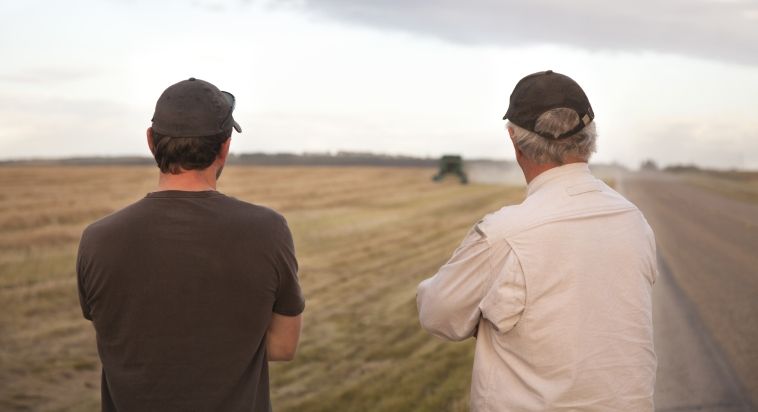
{"x": 365, "y": 237}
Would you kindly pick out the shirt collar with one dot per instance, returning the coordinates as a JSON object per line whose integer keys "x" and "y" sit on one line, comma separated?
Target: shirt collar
{"x": 550, "y": 175}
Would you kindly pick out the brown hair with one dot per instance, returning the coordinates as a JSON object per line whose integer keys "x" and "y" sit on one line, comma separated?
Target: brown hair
{"x": 174, "y": 154}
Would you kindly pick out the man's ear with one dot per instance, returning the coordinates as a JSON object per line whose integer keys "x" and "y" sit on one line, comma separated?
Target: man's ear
{"x": 518, "y": 151}
{"x": 224, "y": 152}
{"x": 150, "y": 142}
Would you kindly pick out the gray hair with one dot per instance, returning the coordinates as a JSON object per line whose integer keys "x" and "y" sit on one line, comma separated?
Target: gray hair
{"x": 580, "y": 145}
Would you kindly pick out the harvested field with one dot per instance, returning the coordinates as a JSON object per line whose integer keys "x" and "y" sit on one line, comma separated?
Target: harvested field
{"x": 365, "y": 237}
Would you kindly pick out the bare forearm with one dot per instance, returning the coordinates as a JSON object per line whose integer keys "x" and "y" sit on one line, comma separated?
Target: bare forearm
{"x": 283, "y": 337}
{"x": 277, "y": 353}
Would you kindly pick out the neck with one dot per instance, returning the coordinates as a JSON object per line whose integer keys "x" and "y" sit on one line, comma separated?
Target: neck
{"x": 532, "y": 170}
{"x": 188, "y": 180}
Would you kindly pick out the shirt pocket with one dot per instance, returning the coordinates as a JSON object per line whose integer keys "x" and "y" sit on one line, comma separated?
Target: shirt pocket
{"x": 505, "y": 301}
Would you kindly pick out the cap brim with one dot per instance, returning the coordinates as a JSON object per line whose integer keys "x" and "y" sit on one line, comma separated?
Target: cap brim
{"x": 230, "y": 99}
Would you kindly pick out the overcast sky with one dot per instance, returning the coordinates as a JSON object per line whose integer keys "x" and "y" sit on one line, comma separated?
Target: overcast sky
{"x": 675, "y": 81}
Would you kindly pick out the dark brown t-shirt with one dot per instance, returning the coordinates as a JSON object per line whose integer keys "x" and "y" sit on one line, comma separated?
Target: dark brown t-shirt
{"x": 181, "y": 287}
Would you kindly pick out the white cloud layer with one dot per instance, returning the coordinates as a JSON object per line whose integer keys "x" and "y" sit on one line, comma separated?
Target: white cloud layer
{"x": 392, "y": 77}
{"x": 712, "y": 29}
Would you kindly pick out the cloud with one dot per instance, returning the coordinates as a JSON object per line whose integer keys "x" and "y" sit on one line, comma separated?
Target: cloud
{"x": 44, "y": 127}
{"x": 712, "y": 29}
{"x": 717, "y": 144}
{"x": 47, "y": 75}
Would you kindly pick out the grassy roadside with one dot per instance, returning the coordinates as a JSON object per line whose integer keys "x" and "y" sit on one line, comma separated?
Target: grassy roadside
{"x": 736, "y": 185}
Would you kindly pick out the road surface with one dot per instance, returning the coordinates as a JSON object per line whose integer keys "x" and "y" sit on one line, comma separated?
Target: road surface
{"x": 706, "y": 297}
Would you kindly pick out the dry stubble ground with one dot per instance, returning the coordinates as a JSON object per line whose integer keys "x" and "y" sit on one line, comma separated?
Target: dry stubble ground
{"x": 365, "y": 237}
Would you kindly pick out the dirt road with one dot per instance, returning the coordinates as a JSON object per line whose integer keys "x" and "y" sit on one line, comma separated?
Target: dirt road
{"x": 706, "y": 298}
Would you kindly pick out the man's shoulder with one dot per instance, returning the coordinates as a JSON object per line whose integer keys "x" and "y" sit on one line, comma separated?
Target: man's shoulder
{"x": 242, "y": 220}
{"x": 513, "y": 219}
{"x": 113, "y": 221}
{"x": 559, "y": 203}
{"x": 506, "y": 221}
{"x": 246, "y": 212}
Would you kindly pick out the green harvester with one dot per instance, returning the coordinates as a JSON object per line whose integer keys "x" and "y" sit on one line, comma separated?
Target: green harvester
{"x": 451, "y": 164}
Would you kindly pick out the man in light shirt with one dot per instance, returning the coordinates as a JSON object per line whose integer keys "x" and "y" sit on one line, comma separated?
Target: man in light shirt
{"x": 557, "y": 289}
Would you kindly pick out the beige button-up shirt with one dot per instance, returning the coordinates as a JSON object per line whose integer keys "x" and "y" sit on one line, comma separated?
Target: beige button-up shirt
{"x": 557, "y": 291}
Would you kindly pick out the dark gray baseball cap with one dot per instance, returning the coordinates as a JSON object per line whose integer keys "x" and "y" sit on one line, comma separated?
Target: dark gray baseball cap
{"x": 194, "y": 108}
{"x": 542, "y": 91}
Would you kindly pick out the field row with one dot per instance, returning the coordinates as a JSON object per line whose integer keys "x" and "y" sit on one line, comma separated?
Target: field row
{"x": 364, "y": 236}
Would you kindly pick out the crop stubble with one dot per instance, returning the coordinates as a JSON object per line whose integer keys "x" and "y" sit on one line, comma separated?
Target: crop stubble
{"x": 365, "y": 237}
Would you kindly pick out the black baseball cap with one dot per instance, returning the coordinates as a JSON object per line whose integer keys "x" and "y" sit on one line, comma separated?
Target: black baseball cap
{"x": 542, "y": 91}
{"x": 194, "y": 108}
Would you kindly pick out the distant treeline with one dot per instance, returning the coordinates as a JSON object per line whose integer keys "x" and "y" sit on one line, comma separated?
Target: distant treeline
{"x": 83, "y": 161}
{"x": 691, "y": 168}
{"x": 262, "y": 159}
{"x": 734, "y": 174}
{"x": 328, "y": 159}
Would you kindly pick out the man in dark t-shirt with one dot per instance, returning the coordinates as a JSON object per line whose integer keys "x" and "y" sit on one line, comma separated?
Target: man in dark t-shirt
{"x": 191, "y": 292}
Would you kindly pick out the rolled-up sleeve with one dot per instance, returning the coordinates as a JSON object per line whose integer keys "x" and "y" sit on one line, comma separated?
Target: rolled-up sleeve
{"x": 448, "y": 302}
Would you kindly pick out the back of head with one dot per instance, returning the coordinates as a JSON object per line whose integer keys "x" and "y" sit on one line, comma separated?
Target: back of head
{"x": 192, "y": 120}
{"x": 552, "y": 119}
{"x": 176, "y": 154}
